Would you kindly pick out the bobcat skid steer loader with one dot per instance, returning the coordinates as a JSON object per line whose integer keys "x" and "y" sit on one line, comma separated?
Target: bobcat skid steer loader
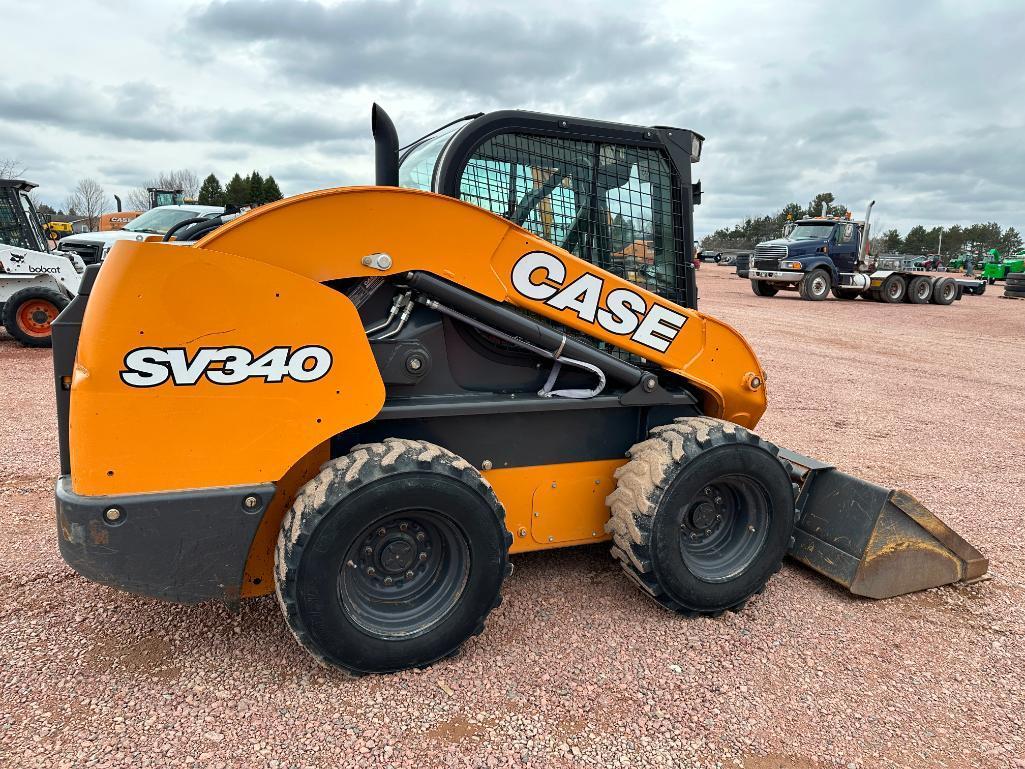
{"x": 500, "y": 352}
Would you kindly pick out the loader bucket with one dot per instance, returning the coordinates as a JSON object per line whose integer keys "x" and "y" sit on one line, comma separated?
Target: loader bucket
{"x": 875, "y": 541}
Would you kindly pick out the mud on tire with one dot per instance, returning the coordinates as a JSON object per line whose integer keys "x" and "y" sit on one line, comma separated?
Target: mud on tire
{"x": 391, "y": 557}
{"x": 675, "y": 484}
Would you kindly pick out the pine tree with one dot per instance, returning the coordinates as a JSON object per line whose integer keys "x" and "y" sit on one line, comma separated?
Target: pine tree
{"x": 255, "y": 188}
{"x": 271, "y": 192}
{"x": 892, "y": 242}
{"x": 210, "y": 193}
{"x": 237, "y": 192}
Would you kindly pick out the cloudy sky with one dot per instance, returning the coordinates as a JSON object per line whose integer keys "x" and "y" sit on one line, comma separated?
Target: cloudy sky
{"x": 916, "y": 104}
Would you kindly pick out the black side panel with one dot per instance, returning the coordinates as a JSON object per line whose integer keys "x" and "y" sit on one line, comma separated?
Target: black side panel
{"x": 186, "y": 546}
{"x": 64, "y": 332}
{"x": 524, "y": 438}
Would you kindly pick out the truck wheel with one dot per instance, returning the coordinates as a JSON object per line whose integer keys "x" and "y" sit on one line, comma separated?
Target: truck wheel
{"x": 893, "y": 289}
{"x": 919, "y": 290}
{"x": 944, "y": 291}
{"x": 29, "y": 313}
{"x": 761, "y": 288}
{"x": 702, "y": 515}
{"x": 815, "y": 285}
{"x": 846, "y": 293}
{"x": 391, "y": 557}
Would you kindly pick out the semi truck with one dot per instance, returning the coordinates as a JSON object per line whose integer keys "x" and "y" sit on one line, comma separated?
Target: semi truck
{"x": 823, "y": 254}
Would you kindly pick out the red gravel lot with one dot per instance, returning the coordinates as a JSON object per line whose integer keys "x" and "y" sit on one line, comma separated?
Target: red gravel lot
{"x": 576, "y": 668}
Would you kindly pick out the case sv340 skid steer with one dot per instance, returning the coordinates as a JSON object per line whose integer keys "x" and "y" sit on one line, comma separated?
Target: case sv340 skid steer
{"x": 500, "y": 352}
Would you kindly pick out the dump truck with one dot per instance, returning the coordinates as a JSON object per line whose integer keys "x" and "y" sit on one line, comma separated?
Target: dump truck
{"x": 36, "y": 282}
{"x": 820, "y": 254}
{"x": 370, "y": 425}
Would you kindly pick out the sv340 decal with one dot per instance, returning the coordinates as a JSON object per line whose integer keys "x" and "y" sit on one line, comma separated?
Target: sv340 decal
{"x": 153, "y": 366}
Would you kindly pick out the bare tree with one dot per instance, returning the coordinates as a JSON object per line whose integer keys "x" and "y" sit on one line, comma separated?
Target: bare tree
{"x": 11, "y": 168}
{"x": 183, "y": 179}
{"x": 87, "y": 200}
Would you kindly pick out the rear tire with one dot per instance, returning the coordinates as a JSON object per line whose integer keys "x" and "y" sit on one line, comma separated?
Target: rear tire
{"x": 919, "y": 290}
{"x": 893, "y": 290}
{"x": 944, "y": 291}
{"x": 29, "y": 313}
{"x": 702, "y": 515}
{"x": 761, "y": 288}
{"x": 391, "y": 557}
{"x": 815, "y": 285}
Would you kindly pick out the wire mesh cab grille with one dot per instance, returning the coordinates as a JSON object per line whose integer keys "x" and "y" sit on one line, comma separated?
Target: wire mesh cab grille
{"x": 611, "y": 205}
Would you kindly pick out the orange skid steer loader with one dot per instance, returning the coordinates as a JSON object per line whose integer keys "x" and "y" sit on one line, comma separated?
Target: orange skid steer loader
{"x": 369, "y": 425}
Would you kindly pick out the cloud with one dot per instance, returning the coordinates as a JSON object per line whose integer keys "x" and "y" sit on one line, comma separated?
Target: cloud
{"x": 486, "y": 50}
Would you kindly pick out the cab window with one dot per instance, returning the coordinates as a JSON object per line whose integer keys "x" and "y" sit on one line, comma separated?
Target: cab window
{"x": 11, "y": 231}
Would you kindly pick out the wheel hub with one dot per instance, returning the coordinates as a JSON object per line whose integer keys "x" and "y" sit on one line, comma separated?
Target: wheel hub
{"x": 705, "y": 515}
{"x": 395, "y": 556}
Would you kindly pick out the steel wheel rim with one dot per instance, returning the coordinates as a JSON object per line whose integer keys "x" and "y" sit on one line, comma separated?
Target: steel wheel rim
{"x": 35, "y": 317}
{"x": 724, "y": 528}
{"x": 374, "y": 586}
{"x": 923, "y": 290}
{"x": 894, "y": 290}
{"x": 818, "y": 285}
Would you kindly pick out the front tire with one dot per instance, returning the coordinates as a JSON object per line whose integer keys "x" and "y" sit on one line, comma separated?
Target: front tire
{"x": 702, "y": 515}
{"x": 391, "y": 558}
{"x": 815, "y": 285}
{"x": 29, "y": 313}
{"x": 761, "y": 288}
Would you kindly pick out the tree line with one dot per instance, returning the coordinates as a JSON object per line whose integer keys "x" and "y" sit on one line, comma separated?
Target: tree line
{"x": 251, "y": 190}
{"x": 975, "y": 239}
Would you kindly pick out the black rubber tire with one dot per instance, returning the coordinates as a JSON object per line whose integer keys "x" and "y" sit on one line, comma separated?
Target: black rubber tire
{"x": 807, "y": 287}
{"x": 874, "y": 295}
{"x": 944, "y": 291}
{"x": 1018, "y": 293}
{"x": 846, "y": 293}
{"x": 919, "y": 290}
{"x": 1015, "y": 279}
{"x": 980, "y": 289}
{"x": 13, "y": 305}
{"x": 371, "y": 485}
{"x": 761, "y": 288}
{"x": 893, "y": 290}
{"x": 991, "y": 281}
{"x": 649, "y": 505}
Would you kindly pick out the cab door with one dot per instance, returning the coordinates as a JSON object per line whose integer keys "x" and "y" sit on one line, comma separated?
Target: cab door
{"x": 844, "y": 248}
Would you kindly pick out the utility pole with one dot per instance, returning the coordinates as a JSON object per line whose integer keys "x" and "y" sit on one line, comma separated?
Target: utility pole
{"x": 939, "y": 250}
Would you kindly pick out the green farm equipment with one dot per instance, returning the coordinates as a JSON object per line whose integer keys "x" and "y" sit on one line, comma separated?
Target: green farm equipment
{"x": 999, "y": 266}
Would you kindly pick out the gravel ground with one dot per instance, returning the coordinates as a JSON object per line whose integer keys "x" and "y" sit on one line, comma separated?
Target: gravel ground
{"x": 576, "y": 668}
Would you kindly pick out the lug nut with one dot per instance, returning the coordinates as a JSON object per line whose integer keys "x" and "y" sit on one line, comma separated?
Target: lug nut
{"x": 403, "y": 526}
{"x": 382, "y": 531}
{"x": 388, "y": 581}
{"x": 409, "y": 575}
{"x": 112, "y": 514}
{"x": 420, "y": 536}
{"x": 371, "y": 571}
{"x": 368, "y": 551}
{"x": 423, "y": 556}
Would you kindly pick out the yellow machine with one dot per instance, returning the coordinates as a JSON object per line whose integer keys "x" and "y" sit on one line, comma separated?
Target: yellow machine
{"x": 369, "y": 425}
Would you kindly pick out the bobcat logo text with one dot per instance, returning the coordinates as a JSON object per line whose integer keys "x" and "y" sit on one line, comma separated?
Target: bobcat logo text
{"x": 153, "y": 366}
{"x": 541, "y": 276}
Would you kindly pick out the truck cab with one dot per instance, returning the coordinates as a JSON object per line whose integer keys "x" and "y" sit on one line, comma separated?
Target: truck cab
{"x": 813, "y": 256}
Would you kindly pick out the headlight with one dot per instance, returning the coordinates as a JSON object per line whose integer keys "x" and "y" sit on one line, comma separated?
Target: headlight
{"x": 790, "y": 265}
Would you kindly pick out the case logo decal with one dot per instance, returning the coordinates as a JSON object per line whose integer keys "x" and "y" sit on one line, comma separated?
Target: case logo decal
{"x": 153, "y": 366}
{"x": 540, "y": 275}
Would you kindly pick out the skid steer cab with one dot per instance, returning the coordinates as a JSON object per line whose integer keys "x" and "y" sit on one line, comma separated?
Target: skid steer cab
{"x": 36, "y": 283}
{"x": 503, "y": 354}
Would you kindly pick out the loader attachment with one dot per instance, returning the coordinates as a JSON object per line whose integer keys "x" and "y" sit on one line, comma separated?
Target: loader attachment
{"x": 875, "y": 541}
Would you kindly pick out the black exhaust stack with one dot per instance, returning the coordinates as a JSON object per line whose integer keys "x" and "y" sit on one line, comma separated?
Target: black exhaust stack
{"x": 386, "y": 148}
{"x": 118, "y": 203}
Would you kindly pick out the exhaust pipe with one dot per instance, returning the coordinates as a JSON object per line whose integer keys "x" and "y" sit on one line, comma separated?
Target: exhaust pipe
{"x": 386, "y": 148}
{"x": 865, "y": 235}
{"x": 118, "y": 201}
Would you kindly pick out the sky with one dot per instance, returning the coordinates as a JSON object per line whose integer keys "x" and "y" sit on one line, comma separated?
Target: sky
{"x": 918, "y": 105}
